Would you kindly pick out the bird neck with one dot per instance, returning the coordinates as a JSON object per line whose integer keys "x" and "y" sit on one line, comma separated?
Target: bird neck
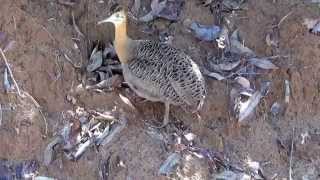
{"x": 122, "y": 42}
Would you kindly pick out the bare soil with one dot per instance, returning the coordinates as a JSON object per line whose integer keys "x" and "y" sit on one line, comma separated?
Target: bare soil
{"x": 43, "y": 31}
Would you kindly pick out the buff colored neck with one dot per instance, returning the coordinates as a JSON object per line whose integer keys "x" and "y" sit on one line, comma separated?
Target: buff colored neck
{"x": 122, "y": 42}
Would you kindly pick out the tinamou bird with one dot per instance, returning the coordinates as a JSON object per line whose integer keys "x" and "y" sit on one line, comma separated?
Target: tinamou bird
{"x": 157, "y": 71}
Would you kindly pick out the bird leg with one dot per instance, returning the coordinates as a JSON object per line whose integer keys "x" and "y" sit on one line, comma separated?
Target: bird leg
{"x": 166, "y": 114}
{"x": 166, "y": 117}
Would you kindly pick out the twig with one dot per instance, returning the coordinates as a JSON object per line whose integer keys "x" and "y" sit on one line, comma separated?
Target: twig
{"x": 14, "y": 23}
{"x": 70, "y": 61}
{"x": 39, "y": 109}
{"x": 10, "y": 72}
{"x": 24, "y": 92}
{"x": 75, "y": 25}
{"x": 282, "y": 19}
{"x": 291, "y": 152}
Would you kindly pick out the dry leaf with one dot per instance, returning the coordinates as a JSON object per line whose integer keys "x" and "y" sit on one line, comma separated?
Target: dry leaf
{"x": 262, "y": 63}
{"x": 237, "y": 46}
{"x": 214, "y": 75}
{"x": 171, "y": 162}
{"x": 126, "y": 101}
{"x": 205, "y": 32}
{"x": 226, "y": 66}
{"x": 244, "y": 82}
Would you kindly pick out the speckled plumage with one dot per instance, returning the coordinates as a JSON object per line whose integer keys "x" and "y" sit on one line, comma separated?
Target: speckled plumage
{"x": 159, "y": 72}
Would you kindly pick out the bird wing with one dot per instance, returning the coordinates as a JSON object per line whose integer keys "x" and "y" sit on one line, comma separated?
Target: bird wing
{"x": 171, "y": 71}
{"x": 187, "y": 81}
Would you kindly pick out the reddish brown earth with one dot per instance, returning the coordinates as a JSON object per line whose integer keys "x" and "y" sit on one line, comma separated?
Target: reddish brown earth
{"x": 43, "y": 31}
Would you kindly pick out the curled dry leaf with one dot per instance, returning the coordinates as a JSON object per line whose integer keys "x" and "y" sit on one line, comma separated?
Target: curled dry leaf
{"x": 213, "y": 75}
{"x": 166, "y": 9}
{"x": 172, "y": 10}
{"x": 262, "y": 63}
{"x": 114, "y": 132}
{"x": 237, "y": 46}
{"x": 95, "y": 61}
{"x": 245, "y": 108}
{"x": 205, "y": 32}
{"x": 170, "y": 163}
{"x": 244, "y": 82}
{"x": 126, "y": 101}
{"x": 226, "y": 66}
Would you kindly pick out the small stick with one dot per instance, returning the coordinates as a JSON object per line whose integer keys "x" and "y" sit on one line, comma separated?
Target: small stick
{"x": 10, "y": 72}
{"x": 282, "y": 19}
{"x": 14, "y": 23}
{"x": 39, "y": 109}
{"x": 70, "y": 61}
{"x": 291, "y": 152}
{"x": 24, "y": 93}
{"x": 75, "y": 25}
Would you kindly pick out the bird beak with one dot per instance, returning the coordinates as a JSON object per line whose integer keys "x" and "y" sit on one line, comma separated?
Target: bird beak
{"x": 105, "y": 20}
{"x": 109, "y": 19}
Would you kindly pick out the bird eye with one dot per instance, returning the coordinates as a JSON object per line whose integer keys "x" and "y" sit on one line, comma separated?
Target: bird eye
{"x": 117, "y": 15}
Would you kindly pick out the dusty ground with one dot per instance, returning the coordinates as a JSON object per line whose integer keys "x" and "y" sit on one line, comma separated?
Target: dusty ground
{"x": 43, "y": 31}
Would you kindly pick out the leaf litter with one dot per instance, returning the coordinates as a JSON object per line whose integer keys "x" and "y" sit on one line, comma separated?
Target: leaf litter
{"x": 20, "y": 169}
{"x": 313, "y": 25}
{"x": 205, "y": 32}
{"x": 89, "y": 129}
{"x": 166, "y": 9}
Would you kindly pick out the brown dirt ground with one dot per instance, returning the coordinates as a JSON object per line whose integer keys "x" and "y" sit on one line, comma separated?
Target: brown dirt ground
{"x": 43, "y": 29}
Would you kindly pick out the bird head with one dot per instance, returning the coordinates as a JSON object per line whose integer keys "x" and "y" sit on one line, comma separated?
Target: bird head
{"x": 117, "y": 18}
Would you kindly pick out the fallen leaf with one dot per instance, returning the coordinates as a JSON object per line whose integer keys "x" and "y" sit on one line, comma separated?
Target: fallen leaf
{"x": 205, "y": 32}
{"x": 244, "y": 82}
{"x": 237, "y": 46}
{"x": 214, "y": 75}
{"x": 225, "y": 66}
{"x": 170, "y": 163}
{"x": 126, "y": 101}
{"x": 262, "y": 63}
